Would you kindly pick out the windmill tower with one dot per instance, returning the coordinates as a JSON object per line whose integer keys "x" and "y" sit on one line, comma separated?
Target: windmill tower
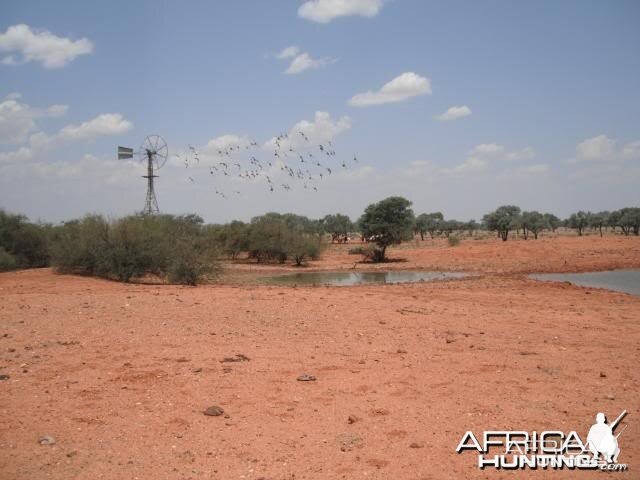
{"x": 154, "y": 151}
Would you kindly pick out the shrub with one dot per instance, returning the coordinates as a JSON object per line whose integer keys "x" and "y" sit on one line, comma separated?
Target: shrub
{"x": 453, "y": 240}
{"x": 275, "y": 237}
{"x": 25, "y": 242}
{"x": 172, "y": 247}
{"x": 7, "y": 261}
{"x": 301, "y": 246}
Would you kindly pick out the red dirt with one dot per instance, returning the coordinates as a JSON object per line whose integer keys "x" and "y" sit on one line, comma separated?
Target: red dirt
{"x": 111, "y": 370}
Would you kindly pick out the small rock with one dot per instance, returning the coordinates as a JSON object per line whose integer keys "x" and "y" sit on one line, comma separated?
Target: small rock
{"x": 416, "y": 445}
{"x": 197, "y": 370}
{"x": 214, "y": 411}
{"x": 72, "y": 454}
{"x": 47, "y": 440}
{"x": 305, "y": 377}
{"x": 182, "y": 360}
{"x": 239, "y": 357}
{"x": 610, "y": 397}
{"x": 4, "y": 377}
{"x": 352, "y": 419}
{"x": 401, "y": 350}
{"x": 603, "y": 375}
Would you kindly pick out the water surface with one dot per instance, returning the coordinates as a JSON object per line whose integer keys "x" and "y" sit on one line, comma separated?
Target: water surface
{"x": 360, "y": 278}
{"x": 627, "y": 281}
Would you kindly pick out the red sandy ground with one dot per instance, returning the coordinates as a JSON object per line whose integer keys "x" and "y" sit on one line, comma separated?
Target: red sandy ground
{"x": 112, "y": 370}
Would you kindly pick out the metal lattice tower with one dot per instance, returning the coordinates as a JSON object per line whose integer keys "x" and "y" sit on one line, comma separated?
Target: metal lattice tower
{"x": 151, "y": 203}
{"x": 154, "y": 151}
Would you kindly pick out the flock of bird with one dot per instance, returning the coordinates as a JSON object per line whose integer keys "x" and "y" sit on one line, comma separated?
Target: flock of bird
{"x": 308, "y": 164}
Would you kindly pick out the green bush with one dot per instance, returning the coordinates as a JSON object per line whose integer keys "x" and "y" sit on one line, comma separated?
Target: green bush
{"x": 278, "y": 238}
{"x": 172, "y": 247}
{"x": 25, "y": 242}
{"x": 453, "y": 241}
{"x": 7, "y": 261}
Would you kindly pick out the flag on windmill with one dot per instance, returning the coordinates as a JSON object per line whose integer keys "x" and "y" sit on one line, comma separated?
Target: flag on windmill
{"x": 125, "y": 153}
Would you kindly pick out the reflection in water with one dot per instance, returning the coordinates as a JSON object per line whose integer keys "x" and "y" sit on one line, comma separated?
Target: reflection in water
{"x": 359, "y": 278}
{"x": 627, "y": 281}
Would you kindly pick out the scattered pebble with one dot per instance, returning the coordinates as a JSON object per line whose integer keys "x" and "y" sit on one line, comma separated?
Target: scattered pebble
{"x": 347, "y": 441}
{"x": 352, "y": 419}
{"x": 305, "y": 377}
{"x": 47, "y": 440}
{"x": 238, "y": 357}
{"x": 214, "y": 411}
{"x": 603, "y": 375}
{"x": 610, "y": 397}
{"x": 4, "y": 377}
{"x": 197, "y": 370}
{"x": 416, "y": 445}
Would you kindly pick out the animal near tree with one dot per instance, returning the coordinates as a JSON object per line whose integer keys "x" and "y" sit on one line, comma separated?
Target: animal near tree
{"x": 338, "y": 226}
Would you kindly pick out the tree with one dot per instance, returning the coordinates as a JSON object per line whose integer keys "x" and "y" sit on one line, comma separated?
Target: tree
{"x": 553, "y": 221}
{"x": 533, "y": 222}
{"x": 503, "y": 220}
{"x": 471, "y": 226}
{"x": 447, "y": 227}
{"x": 233, "y": 238}
{"x": 579, "y": 221}
{"x": 387, "y": 222}
{"x": 429, "y": 222}
{"x": 275, "y": 237}
{"x": 629, "y": 220}
{"x": 421, "y": 224}
{"x": 599, "y": 220}
{"x": 338, "y": 226}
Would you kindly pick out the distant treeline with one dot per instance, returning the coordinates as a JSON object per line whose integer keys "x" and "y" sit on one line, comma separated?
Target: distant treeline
{"x": 183, "y": 249}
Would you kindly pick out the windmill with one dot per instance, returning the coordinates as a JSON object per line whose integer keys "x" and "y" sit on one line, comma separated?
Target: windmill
{"x": 154, "y": 150}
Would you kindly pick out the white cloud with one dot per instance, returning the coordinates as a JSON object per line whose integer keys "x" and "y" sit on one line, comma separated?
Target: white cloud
{"x": 41, "y": 46}
{"x": 495, "y": 151}
{"x": 454, "y": 113}
{"x": 470, "y": 165}
{"x": 323, "y": 11}
{"x": 302, "y": 61}
{"x": 526, "y": 153}
{"x": 595, "y": 149}
{"x": 17, "y": 119}
{"x": 401, "y": 88}
{"x": 288, "y": 52}
{"x": 631, "y": 150}
{"x": 103, "y": 125}
{"x": 601, "y": 150}
{"x": 487, "y": 148}
{"x": 321, "y": 129}
{"x": 480, "y": 158}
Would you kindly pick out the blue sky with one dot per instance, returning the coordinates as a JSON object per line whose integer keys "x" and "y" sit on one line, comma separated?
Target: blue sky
{"x": 551, "y": 88}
